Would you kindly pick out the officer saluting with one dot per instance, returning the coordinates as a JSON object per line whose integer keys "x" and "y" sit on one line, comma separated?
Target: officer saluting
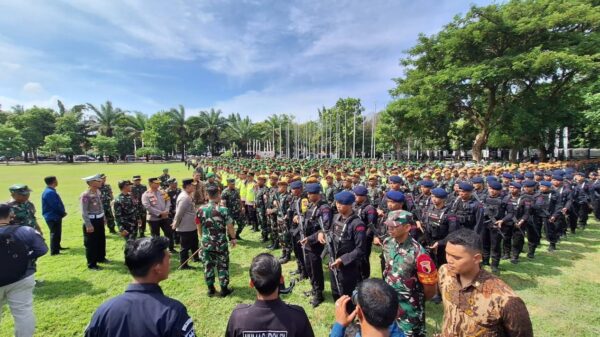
{"x": 92, "y": 212}
{"x": 317, "y": 215}
{"x": 347, "y": 234}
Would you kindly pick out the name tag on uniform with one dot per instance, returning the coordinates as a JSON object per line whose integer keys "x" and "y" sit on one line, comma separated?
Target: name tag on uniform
{"x": 264, "y": 334}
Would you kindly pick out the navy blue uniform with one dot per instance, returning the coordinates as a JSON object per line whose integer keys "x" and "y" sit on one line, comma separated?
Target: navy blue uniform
{"x": 143, "y": 310}
{"x": 268, "y": 318}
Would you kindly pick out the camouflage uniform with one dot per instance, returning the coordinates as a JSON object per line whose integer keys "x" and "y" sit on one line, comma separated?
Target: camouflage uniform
{"x": 272, "y": 196}
{"x": 107, "y": 197}
{"x": 374, "y": 193}
{"x": 401, "y": 273}
{"x": 215, "y": 184}
{"x": 163, "y": 180}
{"x": 24, "y": 214}
{"x": 173, "y": 194}
{"x": 284, "y": 204}
{"x": 214, "y": 220}
{"x": 232, "y": 200}
{"x": 126, "y": 214}
{"x": 262, "y": 197}
{"x": 136, "y": 193}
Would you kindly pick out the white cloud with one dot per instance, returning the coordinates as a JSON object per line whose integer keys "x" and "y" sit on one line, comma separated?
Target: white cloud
{"x": 33, "y": 88}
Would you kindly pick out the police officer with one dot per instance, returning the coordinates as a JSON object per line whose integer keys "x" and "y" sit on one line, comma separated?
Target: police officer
{"x": 317, "y": 217}
{"x": 137, "y": 190}
{"x": 394, "y": 184}
{"x": 158, "y": 205}
{"x": 494, "y": 224}
{"x": 184, "y": 223}
{"x": 137, "y": 311}
{"x": 368, "y": 214}
{"x": 582, "y": 205}
{"x": 542, "y": 209}
{"x": 595, "y": 193}
{"x": 436, "y": 223}
{"x": 346, "y": 239}
{"x": 478, "y": 189}
{"x": 468, "y": 211}
{"x": 126, "y": 211}
{"x": 230, "y": 198}
{"x": 107, "y": 198}
{"x": 521, "y": 206}
{"x": 22, "y": 208}
{"x": 215, "y": 224}
{"x": 563, "y": 204}
{"x": 92, "y": 212}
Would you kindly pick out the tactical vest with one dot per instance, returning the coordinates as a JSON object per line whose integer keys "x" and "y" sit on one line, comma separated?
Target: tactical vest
{"x": 462, "y": 210}
{"x": 433, "y": 221}
{"x": 311, "y": 221}
{"x": 492, "y": 207}
{"x": 342, "y": 239}
{"x": 542, "y": 204}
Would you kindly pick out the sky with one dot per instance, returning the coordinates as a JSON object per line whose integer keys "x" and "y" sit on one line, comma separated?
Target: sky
{"x": 255, "y": 58}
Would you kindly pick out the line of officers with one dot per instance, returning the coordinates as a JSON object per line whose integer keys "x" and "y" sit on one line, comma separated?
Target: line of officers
{"x": 344, "y": 219}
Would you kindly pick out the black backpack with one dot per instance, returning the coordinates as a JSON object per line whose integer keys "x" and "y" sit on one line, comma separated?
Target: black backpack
{"x": 14, "y": 257}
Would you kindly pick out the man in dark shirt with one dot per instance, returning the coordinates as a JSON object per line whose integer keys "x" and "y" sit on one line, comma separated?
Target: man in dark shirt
{"x": 143, "y": 310}
{"x": 269, "y": 315}
{"x": 53, "y": 211}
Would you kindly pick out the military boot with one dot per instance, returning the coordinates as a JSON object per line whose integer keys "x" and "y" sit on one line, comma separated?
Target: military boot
{"x": 531, "y": 252}
{"x": 317, "y": 299}
{"x": 225, "y": 291}
{"x": 552, "y": 247}
{"x": 285, "y": 257}
{"x": 211, "y": 291}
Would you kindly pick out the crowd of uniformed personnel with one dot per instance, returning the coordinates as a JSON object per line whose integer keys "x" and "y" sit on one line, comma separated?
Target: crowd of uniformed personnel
{"x": 336, "y": 210}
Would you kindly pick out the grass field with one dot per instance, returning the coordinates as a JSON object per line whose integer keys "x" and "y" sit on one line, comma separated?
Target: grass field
{"x": 561, "y": 290}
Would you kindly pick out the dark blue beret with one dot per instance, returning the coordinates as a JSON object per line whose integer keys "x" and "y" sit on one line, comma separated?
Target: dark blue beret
{"x": 529, "y": 175}
{"x": 558, "y": 172}
{"x": 568, "y": 176}
{"x": 529, "y": 183}
{"x": 439, "y": 192}
{"x": 519, "y": 176}
{"x": 545, "y": 183}
{"x": 557, "y": 177}
{"x": 515, "y": 184}
{"x": 491, "y": 178}
{"x": 548, "y": 173}
{"x": 579, "y": 174}
{"x": 477, "y": 180}
{"x": 313, "y": 188}
{"x": 507, "y": 175}
{"x": 539, "y": 173}
{"x": 345, "y": 198}
{"x": 396, "y": 196}
{"x": 426, "y": 183}
{"x": 360, "y": 190}
{"x": 495, "y": 185}
{"x": 395, "y": 179}
{"x": 296, "y": 185}
{"x": 465, "y": 187}
{"x": 569, "y": 170}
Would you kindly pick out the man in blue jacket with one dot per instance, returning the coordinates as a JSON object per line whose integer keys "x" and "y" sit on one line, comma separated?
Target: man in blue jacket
{"x": 53, "y": 211}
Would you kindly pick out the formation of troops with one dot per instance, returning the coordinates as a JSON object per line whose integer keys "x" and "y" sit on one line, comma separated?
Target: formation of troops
{"x": 333, "y": 212}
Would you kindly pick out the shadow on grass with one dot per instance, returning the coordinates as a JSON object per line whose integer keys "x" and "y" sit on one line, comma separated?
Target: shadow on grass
{"x": 65, "y": 288}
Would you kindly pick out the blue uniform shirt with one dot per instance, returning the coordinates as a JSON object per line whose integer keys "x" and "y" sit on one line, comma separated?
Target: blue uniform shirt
{"x": 52, "y": 206}
{"x": 143, "y": 310}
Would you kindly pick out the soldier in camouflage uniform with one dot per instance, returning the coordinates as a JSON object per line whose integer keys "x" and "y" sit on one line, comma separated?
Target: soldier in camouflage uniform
{"x": 215, "y": 223}
{"x": 282, "y": 210}
{"x": 22, "y": 208}
{"x": 414, "y": 284}
{"x": 212, "y": 182}
{"x": 107, "y": 198}
{"x": 126, "y": 211}
{"x": 173, "y": 191}
{"x": 271, "y": 211}
{"x": 374, "y": 192}
{"x": 262, "y": 196}
{"x": 230, "y": 198}
{"x": 164, "y": 179}
{"x": 136, "y": 192}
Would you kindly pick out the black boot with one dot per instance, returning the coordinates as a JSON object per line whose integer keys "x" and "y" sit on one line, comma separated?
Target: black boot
{"x": 285, "y": 257}
{"x": 225, "y": 291}
{"x": 486, "y": 261}
{"x": 531, "y": 252}
{"x": 495, "y": 270}
{"x": 272, "y": 245}
{"x": 552, "y": 247}
{"x": 317, "y": 299}
{"x": 211, "y": 291}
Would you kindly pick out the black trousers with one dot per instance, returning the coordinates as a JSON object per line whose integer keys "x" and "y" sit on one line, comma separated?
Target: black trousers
{"x": 299, "y": 253}
{"x": 314, "y": 265}
{"x": 518, "y": 240}
{"x": 492, "y": 243}
{"x": 55, "y": 227}
{"x": 95, "y": 242}
{"x": 347, "y": 278}
{"x": 365, "y": 264}
{"x": 189, "y": 245}
{"x": 165, "y": 225}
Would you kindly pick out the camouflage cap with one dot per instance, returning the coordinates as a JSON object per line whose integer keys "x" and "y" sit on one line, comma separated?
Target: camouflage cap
{"x": 19, "y": 189}
{"x": 397, "y": 218}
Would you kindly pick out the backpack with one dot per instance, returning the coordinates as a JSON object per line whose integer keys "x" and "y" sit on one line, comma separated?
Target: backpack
{"x": 14, "y": 257}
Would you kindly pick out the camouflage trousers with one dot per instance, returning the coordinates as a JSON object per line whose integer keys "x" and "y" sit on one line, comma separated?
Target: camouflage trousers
{"x": 274, "y": 229}
{"x": 218, "y": 260}
{"x": 261, "y": 217}
{"x": 239, "y": 222}
{"x": 132, "y": 229}
{"x": 285, "y": 237}
{"x": 109, "y": 216}
{"x": 411, "y": 320}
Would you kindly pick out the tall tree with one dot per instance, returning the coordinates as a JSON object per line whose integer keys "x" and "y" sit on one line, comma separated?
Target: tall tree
{"x": 159, "y": 133}
{"x": 107, "y": 117}
{"x": 209, "y": 126}
{"x": 241, "y": 131}
{"x": 180, "y": 127}
{"x": 135, "y": 125}
{"x": 11, "y": 142}
{"x": 57, "y": 144}
{"x": 34, "y": 124}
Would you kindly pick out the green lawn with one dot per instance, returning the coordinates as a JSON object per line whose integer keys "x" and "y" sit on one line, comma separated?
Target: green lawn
{"x": 561, "y": 290}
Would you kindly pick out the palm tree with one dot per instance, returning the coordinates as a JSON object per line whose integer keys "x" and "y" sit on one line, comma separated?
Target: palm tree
{"x": 209, "y": 126}
{"x": 241, "y": 130}
{"x": 178, "y": 121}
{"x": 62, "y": 110}
{"x": 135, "y": 125}
{"x": 107, "y": 118}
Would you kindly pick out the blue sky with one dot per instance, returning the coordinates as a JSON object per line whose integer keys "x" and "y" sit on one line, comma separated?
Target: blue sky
{"x": 255, "y": 58}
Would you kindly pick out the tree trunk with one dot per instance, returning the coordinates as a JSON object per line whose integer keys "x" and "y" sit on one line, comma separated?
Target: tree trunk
{"x": 480, "y": 142}
{"x": 543, "y": 153}
{"x": 512, "y": 155}
{"x": 26, "y": 156}
{"x": 35, "y": 156}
